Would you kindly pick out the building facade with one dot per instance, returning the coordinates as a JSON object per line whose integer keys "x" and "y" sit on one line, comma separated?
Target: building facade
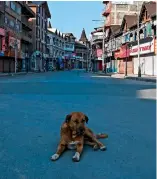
{"x": 16, "y": 33}
{"x": 113, "y": 16}
{"x": 56, "y": 48}
{"x": 83, "y": 50}
{"x": 10, "y": 36}
{"x": 39, "y": 24}
{"x": 26, "y": 36}
{"x": 124, "y": 46}
{"x": 96, "y": 46}
{"x": 69, "y": 49}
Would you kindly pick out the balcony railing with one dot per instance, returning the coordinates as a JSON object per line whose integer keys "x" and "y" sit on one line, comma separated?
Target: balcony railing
{"x": 25, "y": 22}
{"x": 27, "y": 37}
{"x": 97, "y": 37}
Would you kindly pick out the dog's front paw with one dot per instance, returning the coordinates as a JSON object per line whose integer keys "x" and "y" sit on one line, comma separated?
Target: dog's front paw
{"x": 96, "y": 147}
{"x": 76, "y": 157}
{"x": 54, "y": 157}
{"x": 103, "y": 148}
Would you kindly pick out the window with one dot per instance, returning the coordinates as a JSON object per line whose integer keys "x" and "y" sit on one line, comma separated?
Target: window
{"x": 39, "y": 47}
{"x": 12, "y": 24}
{"x": 18, "y": 10}
{"x": 135, "y": 36}
{"x": 146, "y": 15}
{"x": 6, "y": 20}
{"x": 39, "y": 33}
{"x": 7, "y": 3}
{"x": 42, "y": 11}
{"x": 42, "y": 25}
{"x": 43, "y": 35}
{"x": 37, "y": 21}
{"x": 36, "y": 32}
{"x": 38, "y": 9}
{"x": 17, "y": 27}
{"x": 155, "y": 31}
{"x": 13, "y": 6}
{"x": 149, "y": 29}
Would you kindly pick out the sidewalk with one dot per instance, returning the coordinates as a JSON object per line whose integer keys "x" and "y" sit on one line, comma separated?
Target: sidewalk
{"x": 18, "y": 73}
{"x": 102, "y": 74}
{"x": 145, "y": 78}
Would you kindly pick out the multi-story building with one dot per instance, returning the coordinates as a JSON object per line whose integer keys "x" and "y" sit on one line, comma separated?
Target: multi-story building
{"x": 15, "y": 34}
{"x": 96, "y": 44}
{"x": 11, "y": 19}
{"x": 69, "y": 48}
{"x": 82, "y": 49}
{"x": 56, "y": 47}
{"x": 26, "y": 36}
{"x": 39, "y": 24}
{"x": 114, "y": 12}
{"x": 124, "y": 42}
{"x": 113, "y": 15}
{"x": 147, "y": 22}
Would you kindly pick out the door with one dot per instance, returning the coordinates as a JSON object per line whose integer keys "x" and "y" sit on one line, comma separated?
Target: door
{"x": 129, "y": 66}
{"x": 121, "y": 67}
{"x": 100, "y": 65}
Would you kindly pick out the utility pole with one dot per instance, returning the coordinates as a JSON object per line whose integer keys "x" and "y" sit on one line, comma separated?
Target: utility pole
{"x": 138, "y": 41}
{"x": 103, "y": 48}
{"x": 126, "y": 59}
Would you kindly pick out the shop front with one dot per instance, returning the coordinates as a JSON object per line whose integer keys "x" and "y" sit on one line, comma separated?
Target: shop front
{"x": 147, "y": 60}
{"x": 99, "y": 60}
{"x": 124, "y": 60}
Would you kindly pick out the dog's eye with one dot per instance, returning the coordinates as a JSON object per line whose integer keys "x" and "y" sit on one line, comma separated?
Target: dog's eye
{"x": 83, "y": 120}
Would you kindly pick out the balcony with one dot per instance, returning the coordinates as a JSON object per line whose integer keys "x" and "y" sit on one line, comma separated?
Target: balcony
{"x": 25, "y": 22}
{"x": 107, "y": 9}
{"x": 97, "y": 37}
{"x": 26, "y": 37}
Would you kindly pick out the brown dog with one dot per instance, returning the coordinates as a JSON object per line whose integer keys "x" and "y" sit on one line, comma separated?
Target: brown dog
{"x": 74, "y": 134}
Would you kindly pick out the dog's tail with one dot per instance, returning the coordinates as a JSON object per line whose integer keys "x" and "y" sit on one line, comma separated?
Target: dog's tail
{"x": 101, "y": 136}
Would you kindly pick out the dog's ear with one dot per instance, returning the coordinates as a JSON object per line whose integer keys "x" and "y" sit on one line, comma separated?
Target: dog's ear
{"x": 86, "y": 118}
{"x": 68, "y": 117}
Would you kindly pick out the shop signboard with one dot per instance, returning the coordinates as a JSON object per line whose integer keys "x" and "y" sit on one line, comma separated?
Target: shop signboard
{"x": 145, "y": 48}
{"x": 124, "y": 52}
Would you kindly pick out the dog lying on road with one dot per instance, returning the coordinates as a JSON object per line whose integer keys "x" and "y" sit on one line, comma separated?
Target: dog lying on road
{"x": 74, "y": 134}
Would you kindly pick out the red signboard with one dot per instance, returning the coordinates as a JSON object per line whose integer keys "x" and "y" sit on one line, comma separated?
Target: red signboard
{"x": 99, "y": 52}
{"x": 123, "y": 53}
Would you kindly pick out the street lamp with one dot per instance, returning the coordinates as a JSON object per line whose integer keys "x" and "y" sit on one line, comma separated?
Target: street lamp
{"x": 103, "y": 44}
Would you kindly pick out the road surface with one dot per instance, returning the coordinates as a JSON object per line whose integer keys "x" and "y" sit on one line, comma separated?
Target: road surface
{"x": 33, "y": 107}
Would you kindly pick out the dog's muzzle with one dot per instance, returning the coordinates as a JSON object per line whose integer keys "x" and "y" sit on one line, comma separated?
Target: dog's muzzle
{"x": 81, "y": 131}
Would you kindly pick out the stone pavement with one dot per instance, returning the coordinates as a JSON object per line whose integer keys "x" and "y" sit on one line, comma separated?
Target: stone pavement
{"x": 33, "y": 107}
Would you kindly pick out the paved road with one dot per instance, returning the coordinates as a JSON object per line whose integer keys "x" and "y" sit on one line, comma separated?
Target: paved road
{"x": 33, "y": 107}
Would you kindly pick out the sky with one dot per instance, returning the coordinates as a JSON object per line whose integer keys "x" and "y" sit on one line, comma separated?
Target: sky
{"x": 73, "y": 16}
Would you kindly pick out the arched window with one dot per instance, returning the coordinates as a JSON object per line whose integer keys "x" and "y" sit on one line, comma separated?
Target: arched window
{"x": 145, "y": 32}
{"x": 135, "y": 36}
{"x": 131, "y": 37}
{"x": 141, "y": 33}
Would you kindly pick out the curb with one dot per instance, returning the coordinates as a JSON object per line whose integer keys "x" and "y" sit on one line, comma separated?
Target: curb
{"x": 102, "y": 74}
{"x": 17, "y": 74}
{"x": 141, "y": 79}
